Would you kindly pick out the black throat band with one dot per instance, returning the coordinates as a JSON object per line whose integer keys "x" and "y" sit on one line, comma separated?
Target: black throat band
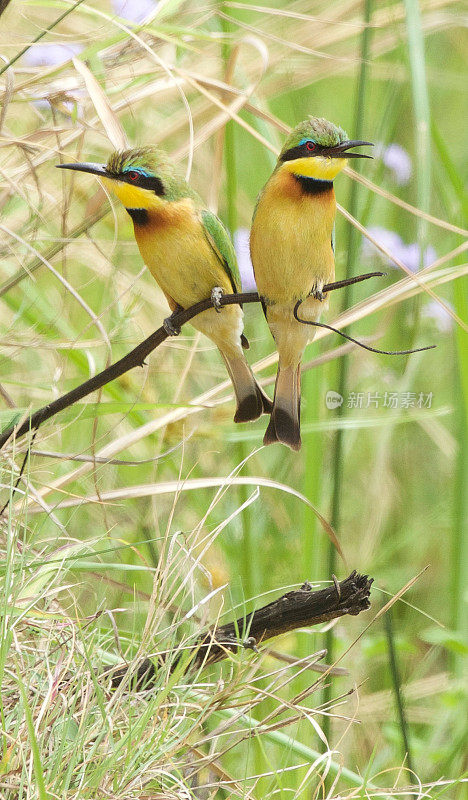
{"x": 138, "y": 215}
{"x": 313, "y": 185}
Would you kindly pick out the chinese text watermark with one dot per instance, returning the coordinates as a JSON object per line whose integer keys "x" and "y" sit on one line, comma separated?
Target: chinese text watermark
{"x": 379, "y": 400}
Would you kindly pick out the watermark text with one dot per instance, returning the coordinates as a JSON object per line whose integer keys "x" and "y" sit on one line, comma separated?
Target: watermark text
{"x": 390, "y": 400}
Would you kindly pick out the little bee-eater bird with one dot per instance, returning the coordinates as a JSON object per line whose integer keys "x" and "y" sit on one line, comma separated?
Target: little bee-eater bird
{"x": 188, "y": 252}
{"x": 292, "y": 249}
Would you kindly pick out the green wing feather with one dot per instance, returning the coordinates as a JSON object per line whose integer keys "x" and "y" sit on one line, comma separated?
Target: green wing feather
{"x": 220, "y": 241}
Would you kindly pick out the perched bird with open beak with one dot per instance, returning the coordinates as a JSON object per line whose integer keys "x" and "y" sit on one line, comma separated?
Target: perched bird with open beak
{"x": 292, "y": 250}
{"x": 188, "y": 252}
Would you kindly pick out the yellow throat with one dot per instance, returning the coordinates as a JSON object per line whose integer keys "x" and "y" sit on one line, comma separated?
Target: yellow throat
{"x": 324, "y": 169}
{"x": 133, "y": 196}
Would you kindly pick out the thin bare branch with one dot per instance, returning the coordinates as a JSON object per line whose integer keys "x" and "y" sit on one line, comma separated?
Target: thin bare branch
{"x": 136, "y": 357}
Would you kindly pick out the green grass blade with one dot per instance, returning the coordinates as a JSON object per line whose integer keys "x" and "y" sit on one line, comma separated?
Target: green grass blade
{"x": 352, "y": 249}
{"x": 37, "y": 764}
{"x": 396, "y": 684}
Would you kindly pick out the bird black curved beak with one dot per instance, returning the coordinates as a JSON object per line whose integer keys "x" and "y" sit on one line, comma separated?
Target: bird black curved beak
{"x": 342, "y": 150}
{"x": 86, "y": 166}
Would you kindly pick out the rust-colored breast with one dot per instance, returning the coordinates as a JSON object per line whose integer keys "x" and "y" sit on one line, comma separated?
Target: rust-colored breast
{"x": 291, "y": 239}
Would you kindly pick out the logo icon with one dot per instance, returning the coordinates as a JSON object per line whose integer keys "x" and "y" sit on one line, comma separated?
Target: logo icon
{"x": 333, "y": 399}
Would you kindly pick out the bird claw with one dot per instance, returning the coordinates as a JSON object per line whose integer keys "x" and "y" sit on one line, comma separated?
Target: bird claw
{"x": 216, "y": 295}
{"x": 317, "y": 293}
{"x": 170, "y": 328}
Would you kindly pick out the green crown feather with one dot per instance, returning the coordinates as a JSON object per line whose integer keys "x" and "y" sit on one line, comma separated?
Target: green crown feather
{"x": 318, "y": 130}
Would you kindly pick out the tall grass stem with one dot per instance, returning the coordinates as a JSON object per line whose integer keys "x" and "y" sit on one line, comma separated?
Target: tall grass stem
{"x": 396, "y": 685}
{"x": 352, "y": 245}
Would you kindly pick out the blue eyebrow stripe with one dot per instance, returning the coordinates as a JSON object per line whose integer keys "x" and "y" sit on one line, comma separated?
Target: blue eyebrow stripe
{"x": 137, "y": 169}
{"x": 303, "y": 141}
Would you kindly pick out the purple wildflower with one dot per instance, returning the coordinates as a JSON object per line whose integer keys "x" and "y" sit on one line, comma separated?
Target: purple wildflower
{"x": 241, "y": 245}
{"x": 397, "y": 160}
{"x": 409, "y": 254}
{"x": 388, "y": 239}
{"x": 412, "y": 258}
{"x": 51, "y": 55}
{"x": 134, "y": 10}
{"x": 433, "y": 310}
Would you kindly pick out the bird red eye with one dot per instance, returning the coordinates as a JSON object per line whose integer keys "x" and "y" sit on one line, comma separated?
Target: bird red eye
{"x": 133, "y": 175}
{"x": 310, "y": 146}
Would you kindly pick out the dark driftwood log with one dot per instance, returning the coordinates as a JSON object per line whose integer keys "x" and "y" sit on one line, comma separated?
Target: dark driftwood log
{"x": 136, "y": 357}
{"x": 297, "y": 609}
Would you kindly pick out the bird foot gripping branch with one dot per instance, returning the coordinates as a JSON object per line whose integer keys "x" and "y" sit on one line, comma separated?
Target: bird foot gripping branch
{"x": 216, "y": 294}
{"x": 317, "y": 293}
{"x": 173, "y": 328}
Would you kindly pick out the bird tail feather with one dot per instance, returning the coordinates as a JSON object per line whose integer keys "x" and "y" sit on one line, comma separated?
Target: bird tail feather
{"x": 252, "y": 401}
{"x": 284, "y": 425}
